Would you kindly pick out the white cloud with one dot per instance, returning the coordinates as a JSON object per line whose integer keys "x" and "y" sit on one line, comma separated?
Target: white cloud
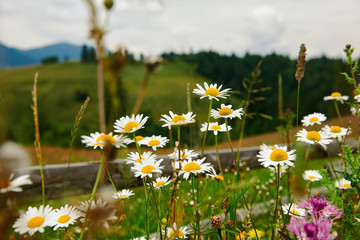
{"x": 154, "y": 26}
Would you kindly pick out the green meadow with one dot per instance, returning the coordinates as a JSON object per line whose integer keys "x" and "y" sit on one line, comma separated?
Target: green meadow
{"x": 63, "y": 87}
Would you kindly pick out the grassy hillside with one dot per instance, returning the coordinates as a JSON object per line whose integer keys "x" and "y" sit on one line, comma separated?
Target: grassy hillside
{"x": 63, "y": 87}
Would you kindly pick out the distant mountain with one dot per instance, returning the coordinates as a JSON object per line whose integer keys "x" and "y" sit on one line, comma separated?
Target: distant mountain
{"x": 61, "y": 50}
{"x": 12, "y": 57}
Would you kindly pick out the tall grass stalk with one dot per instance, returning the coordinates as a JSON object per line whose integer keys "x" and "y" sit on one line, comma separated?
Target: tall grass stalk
{"x": 73, "y": 136}
{"x": 299, "y": 75}
{"x": 37, "y": 144}
{"x": 97, "y": 33}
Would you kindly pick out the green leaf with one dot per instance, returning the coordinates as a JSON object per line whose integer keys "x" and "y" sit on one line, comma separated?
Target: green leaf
{"x": 349, "y": 79}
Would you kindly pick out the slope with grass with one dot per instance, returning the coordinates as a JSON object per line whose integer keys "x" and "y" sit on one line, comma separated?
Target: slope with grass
{"x": 63, "y": 87}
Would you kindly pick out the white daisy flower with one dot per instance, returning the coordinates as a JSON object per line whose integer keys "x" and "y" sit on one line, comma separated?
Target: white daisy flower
{"x": 177, "y": 233}
{"x": 211, "y": 92}
{"x": 97, "y": 213}
{"x": 177, "y": 120}
{"x": 226, "y": 111}
{"x": 215, "y": 127}
{"x": 335, "y": 131}
{"x": 214, "y": 175}
{"x": 295, "y": 210}
{"x": 191, "y": 166}
{"x": 140, "y": 238}
{"x": 312, "y": 137}
{"x": 100, "y": 139}
{"x": 312, "y": 119}
{"x": 125, "y": 193}
{"x": 337, "y": 96}
{"x": 8, "y": 184}
{"x": 275, "y": 156}
{"x": 147, "y": 167}
{"x": 343, "y": 184}
{"x": 63, "y": 217}
{"x": 354, "y": 111}
{"x": 130, "y": 124}
{"x": 155, "y": 141}
{"x": 34, "y": 220}
{"x": 184, "y": 154}
{"x": 134, "y": 157}
{"x": 357, "y": 98}
{"x": 138, "y": 139}
{"x": 161, "y": 182}
{"x": 312, "y": 175}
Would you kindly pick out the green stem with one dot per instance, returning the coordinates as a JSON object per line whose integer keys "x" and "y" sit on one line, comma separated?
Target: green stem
{"x": 194, "y": 200}
{"x": 277, "y": 201}
{"x": 156, "y": 206}
{"x": 228, "y": 135}
{"x": 309, "y": 188}
{"x": 337, "y": 110}
{"x": 98, "y": 176}
{"x": 146, "y": 210}
{"x": 218, "y": 159}
{"x": 297, "y": 107}
{"x": 307, "y": 155}
{"x": 207, "y": 129}
{"x": 137, "y": 145}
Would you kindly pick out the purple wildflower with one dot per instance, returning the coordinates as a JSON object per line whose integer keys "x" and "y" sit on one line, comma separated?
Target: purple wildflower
{"x": 319, "y": 206}
{"x": 317, "y": 228}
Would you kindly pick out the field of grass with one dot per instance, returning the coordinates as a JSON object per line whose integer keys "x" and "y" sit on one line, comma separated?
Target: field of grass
{"x": 63, "y": 87}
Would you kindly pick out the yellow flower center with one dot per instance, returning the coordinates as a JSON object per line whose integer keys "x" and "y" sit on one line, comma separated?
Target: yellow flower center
{"x": 212, "y": 92}
{"x": 294, "y": 212}
{"x": 63, "y": 219}
{"x": 225, "y": 111}
{"x": 35, "y": 222}
{"x": 138, "y": 138}
{"x": 346, "y": 185}
{"x": 216, "y": 127}
{"x": 335, "y": 129}
{"x": 4, "y": 183}
{"x": 160, "y": 183}
{"x": 336, "y": 94}
{"x": 123, "y": 196}
{"x": 312, "y": 177}
{"x": 105, "y": 138}
{"x": 191, "y": 166}
{"x": 178, "y": 118}
{"x": 183, "y": 156}
{"x": 154, "y": 142}
{"x": 313, "y": 136}
{"x": 314, "y": 119}
{"x": 278, "y": 155}
{"x": 219, "y": 178}
{"x": 139, "y": 160}
{"x": 147, "y": 169}
{"x": 130, "y": 126}
{"x": 176, "y": 234}
{"x": 273, "y": 148}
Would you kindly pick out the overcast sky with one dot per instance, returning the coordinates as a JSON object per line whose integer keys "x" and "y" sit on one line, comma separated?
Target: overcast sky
{"x": 154, "y": 26}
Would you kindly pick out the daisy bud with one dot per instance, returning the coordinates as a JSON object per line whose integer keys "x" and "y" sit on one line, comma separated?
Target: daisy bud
{"x": 215, "y": 222}
{"x": 108, "y": 4}
{"x": 300, "y": 66}
{"x": 229, "y": 223}
{"x": 225, "y": 204}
